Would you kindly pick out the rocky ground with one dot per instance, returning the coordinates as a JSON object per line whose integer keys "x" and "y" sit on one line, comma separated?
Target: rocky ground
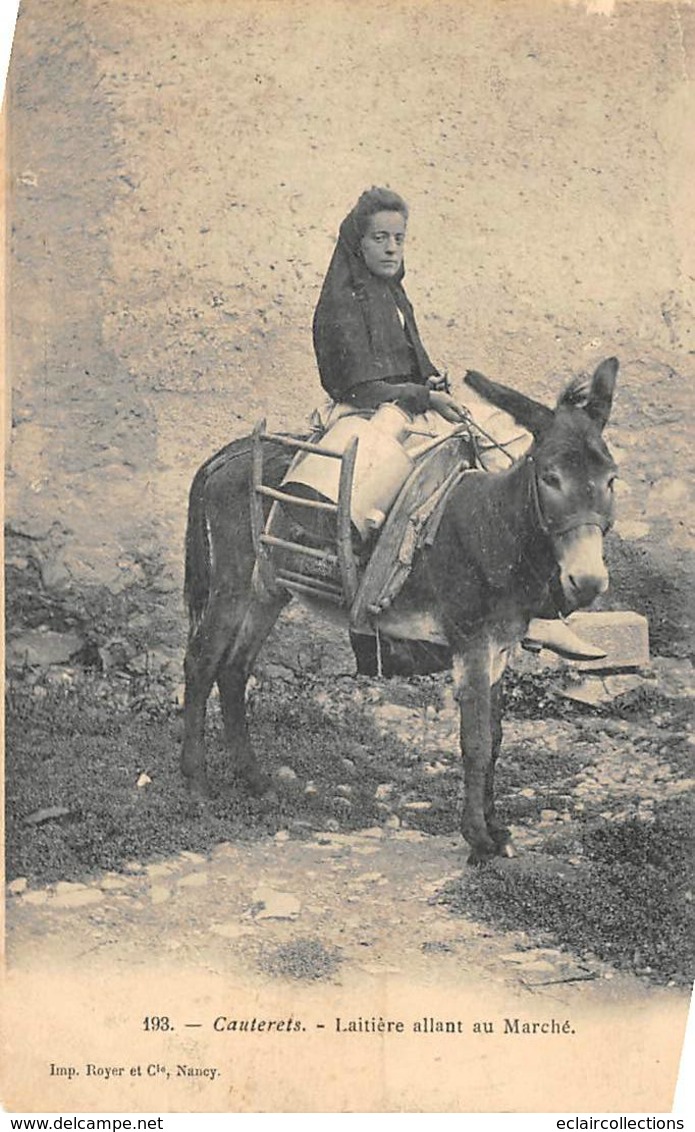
{"x": 345, "y": 890}
{"x": 316, "y": 909}
{"x": 617, "y": 759}
{"x": 347, "y": 925}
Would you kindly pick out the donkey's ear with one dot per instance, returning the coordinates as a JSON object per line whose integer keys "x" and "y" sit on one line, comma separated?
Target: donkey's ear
{"x": 600, "y": 397}
{"x": 595, "y": 395}
{"x": 531, "y": 414}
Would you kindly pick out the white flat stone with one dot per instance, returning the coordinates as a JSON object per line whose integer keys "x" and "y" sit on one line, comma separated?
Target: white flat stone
{"x": 35, "y": 897}
{"x": 275, "y": 905}
{"x": 156, "y": 871}
{"x": 78, "y": 898}
{"x": 230, "y": 930}
{"x": 113, "y": 883}
{"x": 194, "y": 880}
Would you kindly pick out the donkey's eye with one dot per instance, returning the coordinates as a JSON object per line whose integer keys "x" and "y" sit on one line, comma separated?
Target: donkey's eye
{"x": 552, "y": 479}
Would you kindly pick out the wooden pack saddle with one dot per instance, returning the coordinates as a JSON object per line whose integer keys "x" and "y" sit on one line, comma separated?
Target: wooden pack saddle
{"x": 308, "y": 545}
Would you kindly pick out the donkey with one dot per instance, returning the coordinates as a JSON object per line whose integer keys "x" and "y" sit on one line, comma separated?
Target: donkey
{"x": 510, "y": 546}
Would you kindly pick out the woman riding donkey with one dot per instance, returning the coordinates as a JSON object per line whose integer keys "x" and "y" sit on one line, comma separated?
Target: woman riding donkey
{"x": 368, "y": 347}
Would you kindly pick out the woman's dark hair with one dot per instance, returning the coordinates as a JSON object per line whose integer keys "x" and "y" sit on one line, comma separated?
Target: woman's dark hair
{"x": 376, "y": 200}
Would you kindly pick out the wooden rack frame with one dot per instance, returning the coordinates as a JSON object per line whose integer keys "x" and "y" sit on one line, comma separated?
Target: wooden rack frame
{"x": 339, "y": 554}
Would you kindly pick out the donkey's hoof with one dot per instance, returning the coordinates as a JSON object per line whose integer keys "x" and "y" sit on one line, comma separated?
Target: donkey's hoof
{"x": 482, "y": 851}
{"x": 502, "y": 838}
{"x": 498, "y": 845}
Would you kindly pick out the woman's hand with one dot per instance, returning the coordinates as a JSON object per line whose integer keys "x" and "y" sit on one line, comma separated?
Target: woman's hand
{"x": 444, "y": 404}
{"x": 439, "y": 382}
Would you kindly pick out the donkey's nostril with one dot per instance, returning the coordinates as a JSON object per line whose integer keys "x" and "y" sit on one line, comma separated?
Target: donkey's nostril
{"x": 586, "y": 587}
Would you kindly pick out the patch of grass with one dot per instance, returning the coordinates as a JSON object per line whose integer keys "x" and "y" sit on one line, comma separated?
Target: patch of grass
{"x": 83, "y": 746}
{"x": 665, "y": 843}
{"x": 301, "y": 959}
{"x": 630, "y": 902}
{"x": 292, "y": 728}
{"x": 76, "y": 748}
{"x": 531, "y": 695}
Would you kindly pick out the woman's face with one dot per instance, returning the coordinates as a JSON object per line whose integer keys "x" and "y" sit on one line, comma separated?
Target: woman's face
{"x": 382, "y": 243}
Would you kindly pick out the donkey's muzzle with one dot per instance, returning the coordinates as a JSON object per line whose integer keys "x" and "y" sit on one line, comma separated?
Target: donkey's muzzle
{"x": 583, "y": 573}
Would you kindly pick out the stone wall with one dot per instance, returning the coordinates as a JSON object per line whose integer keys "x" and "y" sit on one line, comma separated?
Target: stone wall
{"x": 178, "y": 172}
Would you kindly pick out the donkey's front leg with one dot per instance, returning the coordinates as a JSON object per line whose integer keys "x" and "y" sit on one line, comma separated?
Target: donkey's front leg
{"x": 498, "y": 832}
{"x": 473, "y": 692}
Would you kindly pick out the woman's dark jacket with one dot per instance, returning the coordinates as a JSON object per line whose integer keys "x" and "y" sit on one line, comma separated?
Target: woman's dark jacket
{"x": 366, "y": 352}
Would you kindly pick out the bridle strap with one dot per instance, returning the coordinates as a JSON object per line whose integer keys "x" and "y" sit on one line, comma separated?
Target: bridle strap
{"x": 578, "y": 519}
{"x": 583, "y": 519}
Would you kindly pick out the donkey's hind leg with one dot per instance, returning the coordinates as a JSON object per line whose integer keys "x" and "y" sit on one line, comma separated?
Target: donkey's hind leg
{"x": 210, "y": 640}
{"x": 232, "y": 676}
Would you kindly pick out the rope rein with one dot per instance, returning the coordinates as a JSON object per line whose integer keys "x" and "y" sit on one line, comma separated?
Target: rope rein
{"x": 473, "y": 424}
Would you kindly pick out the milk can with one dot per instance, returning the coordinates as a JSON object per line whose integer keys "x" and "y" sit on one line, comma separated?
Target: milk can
{"x": 381, "y": 467}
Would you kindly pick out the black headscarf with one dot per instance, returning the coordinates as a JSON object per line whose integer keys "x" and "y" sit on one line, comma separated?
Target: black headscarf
{"x": 358, "y": 334}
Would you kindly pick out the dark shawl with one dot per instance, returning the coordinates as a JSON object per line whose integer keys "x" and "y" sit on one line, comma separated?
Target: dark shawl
{"x": 359, "y": 338}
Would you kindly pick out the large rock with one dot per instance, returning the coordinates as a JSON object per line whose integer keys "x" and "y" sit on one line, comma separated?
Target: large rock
{"x": 39, "y": 648}
{"x": 622, "y": 634}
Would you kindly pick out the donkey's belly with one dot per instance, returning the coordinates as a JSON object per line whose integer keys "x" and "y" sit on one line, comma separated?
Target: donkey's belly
{"x": 412, "y": 625}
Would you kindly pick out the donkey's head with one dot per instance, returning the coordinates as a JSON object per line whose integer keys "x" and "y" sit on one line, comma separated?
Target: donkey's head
{"x": 571, "y": 475}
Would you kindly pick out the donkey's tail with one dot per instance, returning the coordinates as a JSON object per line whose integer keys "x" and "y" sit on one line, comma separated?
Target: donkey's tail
{"x": 196, "y": 586}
